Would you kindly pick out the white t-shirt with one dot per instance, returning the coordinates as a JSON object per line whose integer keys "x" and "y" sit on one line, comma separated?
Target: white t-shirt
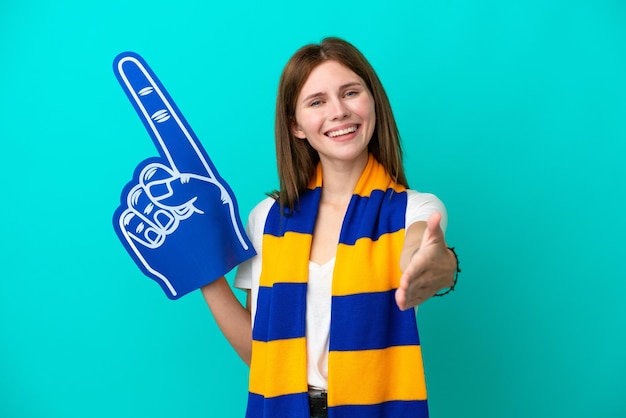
{"x": 419, "y": 208}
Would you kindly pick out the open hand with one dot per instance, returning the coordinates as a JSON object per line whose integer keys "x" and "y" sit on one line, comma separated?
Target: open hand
{"x": 431, "y": 267}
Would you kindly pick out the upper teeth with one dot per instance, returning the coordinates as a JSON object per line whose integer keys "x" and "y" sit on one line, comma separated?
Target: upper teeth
{"x": 342, "y": 131}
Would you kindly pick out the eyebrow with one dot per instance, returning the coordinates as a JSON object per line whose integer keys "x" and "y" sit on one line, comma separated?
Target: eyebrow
{"x": 342, "y": 87}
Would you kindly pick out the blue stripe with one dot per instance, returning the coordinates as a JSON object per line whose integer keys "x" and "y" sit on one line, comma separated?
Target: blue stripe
{"x": 286, "y": 319}
{"x": 292, "y": 406}
{"x": 304, "y": 222}
{"x": 369, "y": 321}
{"x": 403, "y": 409}
{"x": 373, "y": 216}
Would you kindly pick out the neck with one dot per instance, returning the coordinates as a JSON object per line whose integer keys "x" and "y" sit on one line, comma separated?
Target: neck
{"x": 339, "y": 178}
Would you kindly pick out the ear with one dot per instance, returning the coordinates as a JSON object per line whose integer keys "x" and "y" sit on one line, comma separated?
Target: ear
{"x": 297, "y": 131}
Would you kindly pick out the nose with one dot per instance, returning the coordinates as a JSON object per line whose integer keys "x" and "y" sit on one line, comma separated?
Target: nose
{"x": 338, "y": 110}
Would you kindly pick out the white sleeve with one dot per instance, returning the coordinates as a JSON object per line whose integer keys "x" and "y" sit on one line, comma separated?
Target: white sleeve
{"x": 420, "y": 206}
{"x": 244, "y": 278}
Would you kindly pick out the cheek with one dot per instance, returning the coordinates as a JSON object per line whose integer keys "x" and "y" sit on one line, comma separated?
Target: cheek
{"x": 311, "y": 122}
{"x": 368, "y": 110}
{"x": 372, "y": 115}
{"x": 300, "y": 124}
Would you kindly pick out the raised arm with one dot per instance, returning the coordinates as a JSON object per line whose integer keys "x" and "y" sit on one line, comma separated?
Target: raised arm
{"x": 177, "y": 209}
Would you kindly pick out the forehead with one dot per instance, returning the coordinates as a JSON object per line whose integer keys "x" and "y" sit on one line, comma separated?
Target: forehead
{"x": 329, "y": 76}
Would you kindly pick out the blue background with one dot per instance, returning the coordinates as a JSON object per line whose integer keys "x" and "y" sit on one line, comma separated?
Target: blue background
{"x": 514, "y": 113}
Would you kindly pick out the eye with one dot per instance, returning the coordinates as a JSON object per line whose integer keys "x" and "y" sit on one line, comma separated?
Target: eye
{"x": 351, "y": 93}
{"x": 315, "y": 103}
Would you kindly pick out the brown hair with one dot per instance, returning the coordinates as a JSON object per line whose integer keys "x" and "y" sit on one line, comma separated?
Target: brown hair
{"x": 296, "y": 159}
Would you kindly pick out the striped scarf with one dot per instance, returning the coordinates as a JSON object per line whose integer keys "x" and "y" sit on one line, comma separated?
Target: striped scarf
{"x": 374, "y": 362}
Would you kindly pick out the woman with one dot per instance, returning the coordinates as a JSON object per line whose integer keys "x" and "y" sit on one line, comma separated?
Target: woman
{"x": 338, "y": 270}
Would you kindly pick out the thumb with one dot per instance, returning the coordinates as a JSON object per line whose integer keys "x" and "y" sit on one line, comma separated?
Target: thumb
{"x": 433, "y": 233}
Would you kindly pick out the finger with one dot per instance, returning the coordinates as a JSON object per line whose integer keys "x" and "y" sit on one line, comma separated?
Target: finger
{"x": 401, "y": 299}
{"x": 154, "y": 240}
{"x": 406, "y": 287}
{"x": 433, "y": 233}
{"x": 434, "y": 221}
{"x": 138, "y": 228}
{"x": 170, "y": 132}
{"x": 155, "y": 179}
{"x": 147, "y": 214}
{"x": 165, "y": 221}
{"x": 416, "y": 266}
{"x": 169, "y": 190}
{"x": 409, "y": 298}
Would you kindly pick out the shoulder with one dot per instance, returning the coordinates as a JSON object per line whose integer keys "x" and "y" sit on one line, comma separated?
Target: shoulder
{"x": 257, "y": 217}
{"x": 420, "y": 206}
{"x": 417, "y": 199}
{"x": 262, "y": 208}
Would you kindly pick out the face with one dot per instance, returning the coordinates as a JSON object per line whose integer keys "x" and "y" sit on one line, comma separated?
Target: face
{"x": 335, "y": 113}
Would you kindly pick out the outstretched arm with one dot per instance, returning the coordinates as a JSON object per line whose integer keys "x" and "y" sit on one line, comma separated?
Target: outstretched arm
{"x": 426, "y": 263}
{"x": 233, "y": 319}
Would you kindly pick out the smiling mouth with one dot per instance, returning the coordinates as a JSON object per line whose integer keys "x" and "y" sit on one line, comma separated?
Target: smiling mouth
{"x": 340, "y": 132}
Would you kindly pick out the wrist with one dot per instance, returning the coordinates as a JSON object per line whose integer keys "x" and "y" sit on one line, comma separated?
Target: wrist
{"x": 457, "y": 270}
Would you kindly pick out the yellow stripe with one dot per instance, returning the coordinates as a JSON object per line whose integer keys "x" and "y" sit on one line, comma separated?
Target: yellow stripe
{"x": 385, "y": 186}
{"x": 375, "y": 177}
{"x": 356, "y": 274}
{"x": 368, "y": 377}
{"x": 287, "y": 372}
{"x": 282, "y": 250}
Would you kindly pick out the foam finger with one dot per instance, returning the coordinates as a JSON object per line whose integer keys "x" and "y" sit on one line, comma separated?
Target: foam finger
{"x": 141, "y": 229}
{"x": 170, "y": 132}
